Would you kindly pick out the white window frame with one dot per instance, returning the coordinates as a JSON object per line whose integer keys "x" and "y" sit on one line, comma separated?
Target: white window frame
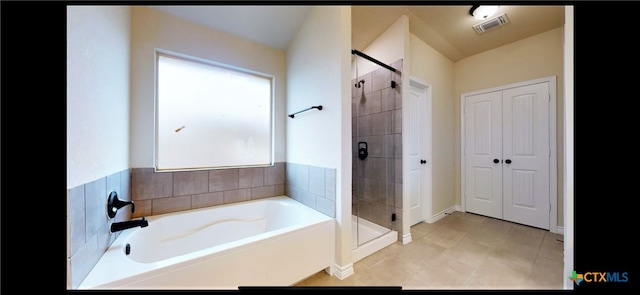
{"x": 162, "y": 52}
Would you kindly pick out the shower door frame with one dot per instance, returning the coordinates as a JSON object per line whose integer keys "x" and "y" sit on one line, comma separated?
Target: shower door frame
{"x": 356, "y": 137}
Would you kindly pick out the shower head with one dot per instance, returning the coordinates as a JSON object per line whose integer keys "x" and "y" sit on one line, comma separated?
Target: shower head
{"x": 358, "y": 85}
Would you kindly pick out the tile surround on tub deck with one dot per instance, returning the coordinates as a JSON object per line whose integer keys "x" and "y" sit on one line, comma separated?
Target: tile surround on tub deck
{"x": 89, "y": 234}
{"x": 164, "y": 192}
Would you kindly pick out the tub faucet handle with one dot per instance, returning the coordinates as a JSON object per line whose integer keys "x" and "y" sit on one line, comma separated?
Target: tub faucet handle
{"x": 113, "y": 204}
{"x": 133, "y": 206}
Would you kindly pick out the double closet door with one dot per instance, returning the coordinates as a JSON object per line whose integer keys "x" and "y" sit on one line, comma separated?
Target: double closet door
{"x": 507, "y": 154}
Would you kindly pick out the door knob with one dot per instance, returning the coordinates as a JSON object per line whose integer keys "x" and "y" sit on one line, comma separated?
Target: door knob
{"x": 423, "y": 161}
{"x": 496, "y": 161}
{"x": 507, "y": 161}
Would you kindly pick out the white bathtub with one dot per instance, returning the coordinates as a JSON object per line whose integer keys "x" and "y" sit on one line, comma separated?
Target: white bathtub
{"x": 275, "y": 241}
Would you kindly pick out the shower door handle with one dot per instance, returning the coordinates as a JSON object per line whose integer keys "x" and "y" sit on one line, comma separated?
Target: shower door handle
{"x": 363, "y": 150}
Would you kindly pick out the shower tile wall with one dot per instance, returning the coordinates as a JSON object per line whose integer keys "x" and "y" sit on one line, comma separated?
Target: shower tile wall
{"x": 89, "y": 235}
{"x": 164, "y": 192}
{"x": 377, "y": 120}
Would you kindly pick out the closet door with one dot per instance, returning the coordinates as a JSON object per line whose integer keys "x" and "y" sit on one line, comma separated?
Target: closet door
{"x": 483, "y": 154}
{"x": 525, "y": 153}
{"x": 507, "y": 152}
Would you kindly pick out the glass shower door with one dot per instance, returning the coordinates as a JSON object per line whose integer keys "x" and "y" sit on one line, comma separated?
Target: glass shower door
{"x": 377, "y": 153}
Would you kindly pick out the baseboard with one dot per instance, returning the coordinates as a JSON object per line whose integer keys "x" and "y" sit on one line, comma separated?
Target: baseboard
{"x": 556, "y": 230}
{"x": 443, "y": 213}
{"x": 406, "y": 239}
{"x": 342, "y": 272}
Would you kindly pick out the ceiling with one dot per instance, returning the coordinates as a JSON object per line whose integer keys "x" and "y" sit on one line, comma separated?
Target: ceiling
{"x": 448, "y": 29}
{"x": 271, "y": 25}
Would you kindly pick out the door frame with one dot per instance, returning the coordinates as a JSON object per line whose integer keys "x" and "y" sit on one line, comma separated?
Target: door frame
{"x": 553, "y": 166}
{"x": 426, "y": 135}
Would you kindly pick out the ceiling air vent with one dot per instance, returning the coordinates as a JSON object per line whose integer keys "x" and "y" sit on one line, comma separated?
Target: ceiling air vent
{"x": 491, "y": 23}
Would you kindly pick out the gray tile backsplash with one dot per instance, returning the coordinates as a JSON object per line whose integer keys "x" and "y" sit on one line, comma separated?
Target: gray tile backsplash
{"x": 316, "y": 180}
{"x": 89, "y": 234}
{"x": 77, "y": 217}
{"x": 237, "y": 195}
{"x": 313, "y": 186}
{"x": 275, "y": 174}
{"x": 95, "y": 195}
{"x": 262, "y": 192}
{"x": 84, "y": 260}
{"x": 147, "y": 184}
{"x": 223, "y": 180}
{"x": 184, "y": 190}
{"x": 168, "y": 205}
{"x": 190, "y": 183}
{"x": 330, "y": 185}
{"x": 206, "y": 200}
{"x": 302, "y": 177}
{"x": 251, "y": 177}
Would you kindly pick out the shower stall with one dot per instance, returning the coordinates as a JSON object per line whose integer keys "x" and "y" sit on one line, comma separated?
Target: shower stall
{"x": 376, "y": 154}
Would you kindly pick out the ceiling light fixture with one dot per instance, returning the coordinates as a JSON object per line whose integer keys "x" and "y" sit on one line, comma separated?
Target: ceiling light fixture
{"x": 483, "y": 11}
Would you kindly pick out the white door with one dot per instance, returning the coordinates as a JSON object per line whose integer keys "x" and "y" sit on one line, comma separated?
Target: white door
{"x": 526, "y": 155}
{"x": 419, "y": 179}
{"x": 507, "y": 154}
{"x": 483, "y": 154}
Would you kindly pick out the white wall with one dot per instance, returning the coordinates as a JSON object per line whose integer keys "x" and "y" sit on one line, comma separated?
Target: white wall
{"x": 318, "y": 73}
{"x": 153, "y": 29}
{"x": 98, "y": 42}
{"x": 313, "y": 78}
{"x": 387, "y": 48}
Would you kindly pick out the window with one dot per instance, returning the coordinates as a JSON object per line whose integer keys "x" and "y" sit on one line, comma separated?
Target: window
{"x": 211, "y": 115}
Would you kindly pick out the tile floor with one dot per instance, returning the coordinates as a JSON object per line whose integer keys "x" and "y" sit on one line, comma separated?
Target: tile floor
{"x": 461, "y": 251}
